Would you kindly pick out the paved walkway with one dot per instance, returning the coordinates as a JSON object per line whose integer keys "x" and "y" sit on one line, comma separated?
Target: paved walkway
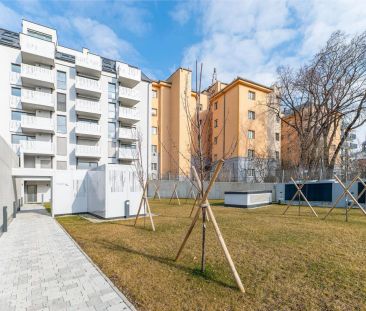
{"x": 42, "y": 269}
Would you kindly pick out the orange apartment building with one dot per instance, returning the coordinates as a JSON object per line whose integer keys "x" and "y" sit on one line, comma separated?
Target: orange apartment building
{"x": 241, "y": 126}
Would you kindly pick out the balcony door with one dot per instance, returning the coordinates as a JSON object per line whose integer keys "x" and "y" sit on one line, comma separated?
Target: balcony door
{"x": 31, "y": 193}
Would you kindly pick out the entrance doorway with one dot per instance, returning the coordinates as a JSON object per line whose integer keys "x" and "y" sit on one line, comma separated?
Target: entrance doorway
{"x": 31, "y": 193}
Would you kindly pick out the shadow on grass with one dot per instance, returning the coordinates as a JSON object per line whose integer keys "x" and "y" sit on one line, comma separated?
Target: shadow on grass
{"x": 208, "y": 275}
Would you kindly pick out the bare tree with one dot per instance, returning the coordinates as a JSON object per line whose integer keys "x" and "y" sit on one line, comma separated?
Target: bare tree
{"x": 323, "y": 96}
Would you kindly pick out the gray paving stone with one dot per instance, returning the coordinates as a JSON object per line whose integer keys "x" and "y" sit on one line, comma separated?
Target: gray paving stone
{"x": 42, "y": 269}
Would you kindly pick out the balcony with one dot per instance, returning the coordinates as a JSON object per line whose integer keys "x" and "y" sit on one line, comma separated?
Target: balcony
{"x": 129, "y": 97}
{"x": 88, "y": 108}
{"x": 33, "y": 124}
{"x": 37, "y": 100}
{"x": 89, "y": 64}
{"x": 128, "y": 76}
{"x": 128, "y": 115}
{"x": 129, "y": 154}
{"x": 36, "y": 50}
{"x": 87, "y": 87}
{"x": 89, "y": 130}
{"x": 15, "y": 102}
{"x": 83, "y": 151}
{"x": 35, "y": 147}
{"x": 126, "y": 134}
{"x": 37, "y": 76}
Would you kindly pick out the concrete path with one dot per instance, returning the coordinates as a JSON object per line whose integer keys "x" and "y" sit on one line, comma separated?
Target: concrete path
{"x": 41, "y": 268}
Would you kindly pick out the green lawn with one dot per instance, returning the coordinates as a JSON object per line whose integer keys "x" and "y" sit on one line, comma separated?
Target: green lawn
{"x": 286, "y": 262}
{"x": 47, "y": 206}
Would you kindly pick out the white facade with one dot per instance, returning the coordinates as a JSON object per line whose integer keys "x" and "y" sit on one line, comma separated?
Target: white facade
{"x": 69, "y": 110}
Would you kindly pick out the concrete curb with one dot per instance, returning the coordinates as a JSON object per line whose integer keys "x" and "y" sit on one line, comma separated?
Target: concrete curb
{"x": 123, "y": 297}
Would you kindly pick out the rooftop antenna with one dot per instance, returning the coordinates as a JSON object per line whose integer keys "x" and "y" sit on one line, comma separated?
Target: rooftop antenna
{"x": 214, "y": 76}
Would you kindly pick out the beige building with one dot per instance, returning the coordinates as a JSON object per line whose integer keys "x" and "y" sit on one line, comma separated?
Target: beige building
{"x": 239, "y": 127}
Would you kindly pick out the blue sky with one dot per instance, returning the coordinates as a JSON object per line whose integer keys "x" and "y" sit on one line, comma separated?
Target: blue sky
{"x": 247, "y": 38}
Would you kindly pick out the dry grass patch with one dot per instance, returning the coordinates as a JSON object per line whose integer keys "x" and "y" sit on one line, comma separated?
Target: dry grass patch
{"x": 285, "y": 262}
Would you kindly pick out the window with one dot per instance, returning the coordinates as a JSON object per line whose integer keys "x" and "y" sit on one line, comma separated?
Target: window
{"x": 16, "y": 91}
{"x": 61, "y": 80}
{"x": 251, "y": 134}
{"x": 111, "y": 110}
{"x": 154, "y": 166}
{"x": 215, "y": 105}
{"x": 46, "y": 163}
{"x": 250, "y": 153}
{"x": 154, "y": 94}
{"x": 251, "y": 95}
{"x": 15, "y": 68}
{"x": 61, "y": 165}
{"x": 278, "y": 136}
{"x": 111, "y": 130}
{"x": 61, "y": 124}
{"x": 154, "y": 130}
{"x": 251, "y": 115}
{"x": 61, "y": 102}
{"x": 215, "y": 140}
{"x": 111, "y": 91}
{"x": 16, "y": 115}
{"x": 16, "y": 139}
{"x": 39, "y": 35}
{"x": 85, "y": 165}
{"x": 111, "y": 149}
{"x": 251, "y": 172}
{"x": 154, "y": 148}
{"x": 216, "y": 122}
{"x": 277, "y": 155}
{"x": 29, "y": 162}
{"x": 61, "y": 146}
{"x": 154, "y": 111}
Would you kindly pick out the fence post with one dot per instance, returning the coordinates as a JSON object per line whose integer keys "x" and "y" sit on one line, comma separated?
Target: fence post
{"x": 19, "y": 205}
{"x": 5, "y": 219}
{"x": 15, "y": 209}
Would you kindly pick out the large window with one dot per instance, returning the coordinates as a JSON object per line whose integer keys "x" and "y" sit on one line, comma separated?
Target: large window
{"x": 250, "y": 153}
{"x": 16, "y": 91}
{"x": 111, "y": 91}
{"x": 251, "y": 172}
{"x": 61, "y": 124}
{"x": 251, "y": 115}
{"x": 61, "y": 102}
{"x": 251, "y": 134}
{"x": 111, "y": 130}
{"x": 16, "y": 139}
{"x": 39, "y": 35}
{"x": 16, "y": 115}
{"x": 154, "y": 166}
{"x": 61, "y": 80}
{"x": 111, "y": 110}
{"x": 15, "y": 68}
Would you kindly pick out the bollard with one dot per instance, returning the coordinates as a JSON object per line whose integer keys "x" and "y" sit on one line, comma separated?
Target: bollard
{"x": 18, "y": 205}
{"x": 127, "y": 208}
{"x": 5, "y": 218}
{"x": 15, "y": 209}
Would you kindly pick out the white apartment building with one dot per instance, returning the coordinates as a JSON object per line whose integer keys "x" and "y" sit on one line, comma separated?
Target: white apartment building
{"x": 64, "y": 109}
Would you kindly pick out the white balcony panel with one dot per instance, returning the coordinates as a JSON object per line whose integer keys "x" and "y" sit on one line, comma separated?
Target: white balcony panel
{"x": 37, "y": 100}
{"x": 127, "y": 153}
{"x": 88, "y": 87}
{"x": 89, "y": 64}
{"x": 36, "y": 50}
{"x": 127, "y": 134}
{"x": 128, "y": 115}
{"x": 128, "y": 76}
{"x": 37, "y": 76}
{"x": 129, "y": 97}
{"x": 82, "y": 151}
{"x": 15, "y": 102}
{"x": 35, "y": 147}
{"x": 88, "y": 108}
{"x": 89, "y": 130}
{"x": 33, "y": 124}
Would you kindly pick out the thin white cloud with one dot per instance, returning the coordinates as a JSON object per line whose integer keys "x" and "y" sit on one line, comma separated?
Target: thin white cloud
{"x": 9, "y": 19}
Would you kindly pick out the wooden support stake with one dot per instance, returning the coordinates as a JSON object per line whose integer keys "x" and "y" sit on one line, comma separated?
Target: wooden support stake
{"x": 144, "y": 200}
{"x": 358, "y": 197}
{"x": 194, "y": 204}
{"x": 157, "y": 193}
{"x": 175, "y": 193}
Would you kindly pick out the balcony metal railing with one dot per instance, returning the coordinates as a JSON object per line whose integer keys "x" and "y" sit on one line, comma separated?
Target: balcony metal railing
{"x": 37, "y": 73}
{"x": 129, "y": 113}
{"x": 127, "y": 133}
{"x": 37, "y": 123}
{"x": 87, "y": 84}
{"x": 87, "y": 151}
{"x": 127, "y": 153}
{"x": 38, "y": 47}
{"x": 88, "y": 106}
{"x": 38, "y": 98}
{"x": 36, "y": 147}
